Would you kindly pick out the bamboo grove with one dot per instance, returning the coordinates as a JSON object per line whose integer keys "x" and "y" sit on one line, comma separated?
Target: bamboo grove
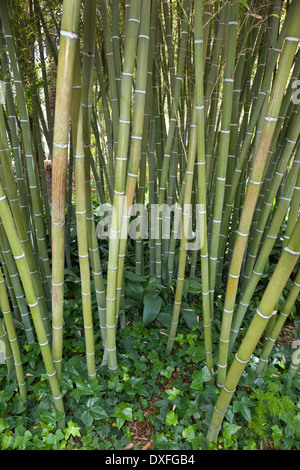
{"x": 188, "y": 105}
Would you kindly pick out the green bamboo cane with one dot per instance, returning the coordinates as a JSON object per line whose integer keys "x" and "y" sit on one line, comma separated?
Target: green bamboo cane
{"x": 289, "y": 145}
{"x": 201, "y": 165}
{"x": 175, "y": 232}
{"x": 171, "y": 131}
{"x": 81, "y": 222}
{"x": 282, "y": 317}
{"x": 9, "y": 360}
{"x": 114, "y": 102}
{"x": 294, "y": 207}
{"x": 212, "y": 76}
{"x": 86, "y": 103}
{"x": 170, "y": 47}
{"x": 230, "y": 50}
{"x": 30, "y": 166}
{"x": 41, "y": 235}
{"x": 136, "y": 137}
{"x": 254, "y": 183}
{"x": 11, "y": 332}
{"x": 33, "y": 303}
{"x": 260, "y": 263}
{"x": 284, "y": 139}
{"x": 66, "y": 60}
{"x": 263, "y": 93}
{"x": 69, "y": 208}
{"x": 16, "y": 286}
{"x": 120, "y": 175}
{"x": 184, "y": 233}
{"x": 107, "y": 117}
{"x": 152, "y": 193}
{"x": 31, "y": 172}
{"x": 264, "y": 312}
{"x": 10, "y": 290}
{"x": 14, "y": 140}
{"x": 115, "y": 30}
{"x": 12, "y": 194}
{"x": 38, "y": 12}
{"x": 50, "y": 39}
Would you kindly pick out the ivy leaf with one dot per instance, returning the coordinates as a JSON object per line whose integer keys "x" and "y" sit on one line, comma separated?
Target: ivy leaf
{"x": 230, "y": 429}
{"x": 200, "y": 376}
{"x": 123, "y": 412}
{"x": 173, "y": 393}
{"x": 189, "y": 433}
{"x": 98, "y": 412}
{"x": 171, "y": 418}
{"x": 72, "y": 430}
{"x": 243, "y": 408}
{"x": 135, "y": 386}
{"x": 3, "y": 425}
{"x": 81, "y": 389}
{"x": 87, "y": 418}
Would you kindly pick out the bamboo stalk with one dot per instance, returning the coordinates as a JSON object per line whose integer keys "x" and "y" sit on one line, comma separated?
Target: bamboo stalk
{"x": 254, "y": 183}
{"x": 19, "y": 256}
{"x": 280, "y": 321}
{"x": 119, "y": 188}
{"x": 265, "y": 310}
{"x": 65, "y": 67}
{"x": 201, "y": 166}
{"x": 11, "y": 332}
{"x": 81, "y": 219}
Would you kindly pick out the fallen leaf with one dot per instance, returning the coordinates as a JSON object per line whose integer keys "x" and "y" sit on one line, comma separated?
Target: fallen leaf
{"x": 129, "y": 446}
{"x": 147, "y": 446}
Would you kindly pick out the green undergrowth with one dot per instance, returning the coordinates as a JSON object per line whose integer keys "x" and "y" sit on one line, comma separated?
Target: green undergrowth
{"x": 171, "y": 395}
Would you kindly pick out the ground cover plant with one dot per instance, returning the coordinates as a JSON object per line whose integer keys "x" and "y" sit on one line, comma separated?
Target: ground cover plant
{"x": 149, "y": 225}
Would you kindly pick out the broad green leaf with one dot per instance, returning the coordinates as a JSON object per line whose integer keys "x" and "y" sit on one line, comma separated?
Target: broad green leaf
{"x": 87, "y": 417}
{"x": 194, "y": 286}
{"x": 81, "y": 389}
{"x": 190, "y": 317}
{"x": 200, "y": 376}
{"x": 243, "y": 408}
{"x": 152, "y": 306}
{"x": 98, "y": 412}
{"x": 72, "y": 430}
{"x": 189, "y": 433}
{"x": 230, "y": 429}
{"x": 136, "y": 386}
{"x": 171, "y": 419}
{"x": 6, "y": 440}
{"x": 123, "y": 412}
{"x": 3, "y": 425}
{"x": 165, "y": 319}
{"x": 167, "y": 372}
{"x": 173, "y": 393}
{"x": 134, "y": 277}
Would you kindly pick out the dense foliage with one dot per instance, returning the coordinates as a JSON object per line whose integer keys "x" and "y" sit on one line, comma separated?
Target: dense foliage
{"x": 149, "y": 224}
